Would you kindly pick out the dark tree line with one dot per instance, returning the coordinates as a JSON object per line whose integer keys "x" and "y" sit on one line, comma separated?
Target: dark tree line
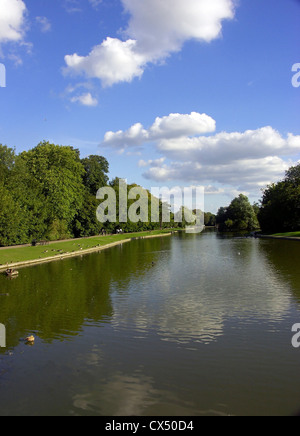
{"x": 277, "y": 212}
{"x": 240, "y": 215}
{"x": 280, "y": 205}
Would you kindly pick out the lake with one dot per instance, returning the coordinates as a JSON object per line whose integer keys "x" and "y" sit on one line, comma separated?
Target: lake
{"x": 182, "y": 325}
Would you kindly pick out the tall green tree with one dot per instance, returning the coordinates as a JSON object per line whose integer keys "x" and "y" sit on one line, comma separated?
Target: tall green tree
{"x": 85, "y": 222}
{"x": 95, "y": 175}
{"x": 55, "y": 175}
{"x": 240, "y": 215}
{"x": 12, "y": 223}
{"x": 7, "y": 160}
{"x": 209, "y": 219}
{"x": 280, "y": 205}
{"x": 12, "y": 217}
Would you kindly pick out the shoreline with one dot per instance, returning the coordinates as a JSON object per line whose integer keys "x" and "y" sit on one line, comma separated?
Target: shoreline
{"x": 60, "y": 257}
{"x": 285, "y": 238}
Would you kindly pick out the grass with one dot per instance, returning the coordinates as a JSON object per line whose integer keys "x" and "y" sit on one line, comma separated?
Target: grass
{"x": 289, "y": 234}
{"x": 23, "y": 254}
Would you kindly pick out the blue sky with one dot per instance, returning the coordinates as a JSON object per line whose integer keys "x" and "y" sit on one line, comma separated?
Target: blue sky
{"x": 172, "y": 93}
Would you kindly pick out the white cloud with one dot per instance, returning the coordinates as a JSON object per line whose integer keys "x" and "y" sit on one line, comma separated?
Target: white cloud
{"x": 151, "y": 162}
{"x": 12, "y": 20}
{"x": 181, "y": 125}
{"x": 168, "y": 127}
{"x": 162, "y": 27}
{"x": 245, "y": 175}
{"x": 85, "y": 99}
{"x": 113, "y": 61}
{"x": 213, "y": 190}
{"x": 156, "y": 29}
{"x": 225, "y": 147}
{"x": 247, "y": 161}
{"x": 136, "y": 135}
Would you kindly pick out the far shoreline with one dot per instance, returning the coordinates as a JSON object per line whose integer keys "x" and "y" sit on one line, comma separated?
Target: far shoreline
{"x": 278, "y": 238}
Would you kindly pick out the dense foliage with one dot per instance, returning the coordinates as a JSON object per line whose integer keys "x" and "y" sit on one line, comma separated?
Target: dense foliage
{"x": 280, "y": 205}
{"x": 278, "y": 211}
{"x": 210, "y": 219}
{"x": 239, "y": 215}
{"x": 49, "y": 193}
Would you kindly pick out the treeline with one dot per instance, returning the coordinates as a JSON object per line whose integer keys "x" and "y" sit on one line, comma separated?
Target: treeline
{"x": 277, "y": 212}
{"x": 49, "y": 193}
{"x": 240, "y": 215}
{"x": 280, "y": 206}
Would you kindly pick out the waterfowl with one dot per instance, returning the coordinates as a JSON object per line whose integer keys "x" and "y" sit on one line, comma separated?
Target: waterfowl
{"x": 11, "y": 272}
{"x": 30, "y": 339}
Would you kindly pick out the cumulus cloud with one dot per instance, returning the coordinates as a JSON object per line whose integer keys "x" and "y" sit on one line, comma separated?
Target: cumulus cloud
{"x": 162, "y": 27}
{"x": 181, "y": 125}
{"x": 224, "y": 147}
{"x": 112, "y": 61}
{"x": 85, "y": 100}
{"x": 246, "y": 174}
{"x": 156, "y": 162}
{"x": 136, "y": 135}
{"x": 247, "y": 161}
{"x": 213, "y": 190}
{"x": 12, "y": 20}
{"x": 155, "y": 30}
{"x": 173, "y": 126}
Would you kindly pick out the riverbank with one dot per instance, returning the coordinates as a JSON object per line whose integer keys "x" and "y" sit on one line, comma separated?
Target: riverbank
{"x": 289, "y": 234}
{"x": 293, "y": 236}
{"x": 27, "y": 256}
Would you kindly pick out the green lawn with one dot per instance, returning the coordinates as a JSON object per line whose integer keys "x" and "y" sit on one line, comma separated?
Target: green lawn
{"x": 22, "y": 254}
{"x": 290, "y": 234}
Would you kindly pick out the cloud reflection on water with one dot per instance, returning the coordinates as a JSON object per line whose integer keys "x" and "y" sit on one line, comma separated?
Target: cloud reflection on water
{"x": 189, "y": 296}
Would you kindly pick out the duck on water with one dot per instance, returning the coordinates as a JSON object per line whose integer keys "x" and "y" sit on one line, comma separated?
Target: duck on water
{"x": 11, "y": 272}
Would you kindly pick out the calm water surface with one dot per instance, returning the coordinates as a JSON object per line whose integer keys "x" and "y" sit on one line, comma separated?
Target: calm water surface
{"x": 206, "y": 330}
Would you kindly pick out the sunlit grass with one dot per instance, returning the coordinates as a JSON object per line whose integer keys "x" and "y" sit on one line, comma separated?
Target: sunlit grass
{"x": 23, "y": 254}
{"x": 289, "y": 234}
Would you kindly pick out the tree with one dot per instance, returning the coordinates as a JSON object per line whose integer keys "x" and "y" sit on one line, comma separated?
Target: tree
{"x": 240, "y": 215}
{"x": 280, "y": 205}
{"x": 12, "y": 229}
{"x": 54, "y": 174}
{"x": 221, "y": 216}
{"x": 12, "y": 216}
{"x": 209, "y": 219}
{"x": 85, "y": 222}
{"x": 7, "y": 159}
{"x": 292, "y": 176}
{"x": 95, "y": 175}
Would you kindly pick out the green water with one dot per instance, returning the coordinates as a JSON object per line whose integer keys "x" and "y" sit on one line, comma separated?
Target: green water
{"x": 186, "y": 325}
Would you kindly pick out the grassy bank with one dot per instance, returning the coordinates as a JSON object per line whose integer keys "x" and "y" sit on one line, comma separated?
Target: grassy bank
{"x": 288, "y": 235}
{"x": 24, "y": 254}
